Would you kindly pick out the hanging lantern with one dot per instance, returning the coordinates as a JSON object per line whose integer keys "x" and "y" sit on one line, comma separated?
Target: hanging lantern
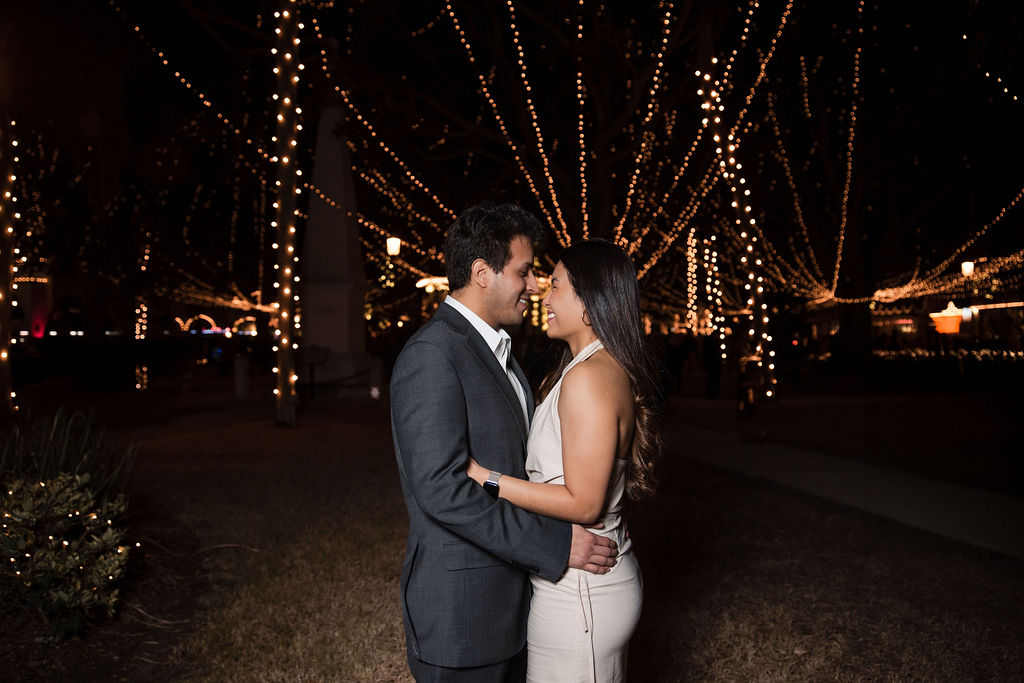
{"x": 947, "y": 321}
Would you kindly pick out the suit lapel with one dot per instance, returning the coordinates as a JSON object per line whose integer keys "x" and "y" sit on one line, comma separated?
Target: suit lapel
{"x": 480, "y": 349}
{"x": 526, "y": 388}
{"x": 477, "y": 345}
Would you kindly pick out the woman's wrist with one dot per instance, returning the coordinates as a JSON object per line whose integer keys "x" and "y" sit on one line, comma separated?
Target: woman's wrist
{"x": 477, "y": 473}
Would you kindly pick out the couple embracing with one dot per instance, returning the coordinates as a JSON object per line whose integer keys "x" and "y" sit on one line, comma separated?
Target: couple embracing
{"x": 517, "y": 556}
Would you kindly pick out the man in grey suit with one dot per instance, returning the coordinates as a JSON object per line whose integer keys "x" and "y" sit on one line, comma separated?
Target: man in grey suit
{"x": 465, "y": 586}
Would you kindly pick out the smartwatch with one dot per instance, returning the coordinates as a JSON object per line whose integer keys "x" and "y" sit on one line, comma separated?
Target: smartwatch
{"x": 491, "y": 485}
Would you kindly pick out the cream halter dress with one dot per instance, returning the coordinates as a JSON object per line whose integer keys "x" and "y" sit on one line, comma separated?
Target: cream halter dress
{"x": 579, "y": 628}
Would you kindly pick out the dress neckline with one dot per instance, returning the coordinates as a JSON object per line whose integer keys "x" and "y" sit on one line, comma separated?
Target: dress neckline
{"x": 585, "y": 353}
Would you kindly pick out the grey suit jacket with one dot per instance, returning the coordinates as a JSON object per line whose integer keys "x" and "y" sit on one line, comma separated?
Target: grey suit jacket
{"x": 465, "y": 584}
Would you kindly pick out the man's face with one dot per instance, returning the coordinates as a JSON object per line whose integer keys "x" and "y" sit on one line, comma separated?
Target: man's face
{"x": 508, "y": 295}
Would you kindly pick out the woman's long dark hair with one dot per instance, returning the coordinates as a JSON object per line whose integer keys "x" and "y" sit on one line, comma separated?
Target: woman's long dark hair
{"x": 605, "y": 281}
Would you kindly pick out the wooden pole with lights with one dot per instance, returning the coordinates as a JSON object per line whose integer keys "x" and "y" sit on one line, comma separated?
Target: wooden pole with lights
{"x": 286, "y": 341}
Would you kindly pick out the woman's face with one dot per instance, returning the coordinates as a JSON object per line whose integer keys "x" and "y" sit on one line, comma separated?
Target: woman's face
{"x": 564, "y": 308}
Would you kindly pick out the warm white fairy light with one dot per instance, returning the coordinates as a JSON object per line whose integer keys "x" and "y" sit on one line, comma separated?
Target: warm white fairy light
{"x": 714, "y": 299}
{"x": 1000, "y": 84}
{"x": 380, "y": 183}
{"x": 287, "y": 69}
{"x": 9, "y": 213}
{"x": 205, "y": 293}
{"x": 39, "y": 165}
{"x": 646, "y": 137}
{"x": 565, "y": 238}
{"x": 581, "y": 100}
{"x": 546, "y": 199}
{"x": 803, "y": 281}
{"x": 715, "y": 109}
{"x": 955, "y": 256}
{"x": 651, "y": 239}
{"x": 371, "y": 251}
{"x": 141, "y": 332}
{"x": 999, "y": 81}
{"x": 799, "y": 272}
{"x": 840, "y": 239}
{"x": 346, "y": 97}
{"x": 399, "y": 200}
{"x": 692, "y": 298}
{"x": 184, "y": 81}
{"x": 365, "y": 222}
{"x": 556, "y": 226}
{"x": 750, "y": 264}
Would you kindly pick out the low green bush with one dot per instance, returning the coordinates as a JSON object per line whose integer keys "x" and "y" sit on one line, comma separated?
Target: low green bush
{"x": 60, "y": 540}
{"x": 61, "y": 552}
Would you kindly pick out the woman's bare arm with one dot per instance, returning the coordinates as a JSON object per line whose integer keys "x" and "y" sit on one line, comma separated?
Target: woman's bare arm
{"x": 589, "y": 408}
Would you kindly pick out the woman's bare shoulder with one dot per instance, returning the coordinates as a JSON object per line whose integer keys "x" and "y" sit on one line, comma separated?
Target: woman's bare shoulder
{"x": 598, "y": 374}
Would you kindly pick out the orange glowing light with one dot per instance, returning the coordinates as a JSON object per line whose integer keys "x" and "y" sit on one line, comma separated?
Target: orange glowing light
{"x": 947, "y": 321}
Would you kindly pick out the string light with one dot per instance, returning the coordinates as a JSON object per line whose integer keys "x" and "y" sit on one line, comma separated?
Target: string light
{"x": 206, "y": 293}
{"x": 648, "y": 220}
{"x": 346, "y": 97}
{"x": 558, "y": 227}
{"x": 849, "y": 171}
{"x": 9, "y": 213}
{"x": 800, "y": 273}
{"x": 565, "y": 238}
{"x": 378, "y": 181}
{"x": 997, "y": 79}
{"x": 581, "y": 101}
{"x": 714, "y": 108}
{"x": 287, "y": 188}
{"x": 646, "y": 137}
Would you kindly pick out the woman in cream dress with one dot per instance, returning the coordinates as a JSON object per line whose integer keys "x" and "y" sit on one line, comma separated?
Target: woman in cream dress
{"x": 592, "y": 442}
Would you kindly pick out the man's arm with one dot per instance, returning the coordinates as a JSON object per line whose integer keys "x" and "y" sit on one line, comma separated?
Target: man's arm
{"x": 589, "y": 410}
{"x": 430, "y": 425}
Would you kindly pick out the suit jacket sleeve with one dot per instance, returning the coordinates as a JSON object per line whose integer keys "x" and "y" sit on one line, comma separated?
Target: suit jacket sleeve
{"x": 432, "y": 442}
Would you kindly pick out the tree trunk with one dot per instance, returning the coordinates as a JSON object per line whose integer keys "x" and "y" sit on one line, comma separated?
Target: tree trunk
{"x": 286, "y": 219}
{"x": 7, "y": 209}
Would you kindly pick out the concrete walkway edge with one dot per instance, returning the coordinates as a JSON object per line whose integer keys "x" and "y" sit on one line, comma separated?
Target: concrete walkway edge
{"x": 982, "y": 518}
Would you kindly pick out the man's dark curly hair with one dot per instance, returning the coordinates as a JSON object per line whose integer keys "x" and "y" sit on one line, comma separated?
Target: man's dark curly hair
{"x": 486, "y": 231}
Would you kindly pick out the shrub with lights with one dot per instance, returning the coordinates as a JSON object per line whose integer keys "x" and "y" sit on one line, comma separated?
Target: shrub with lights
{"x": 60, "y": 539}
{"x": 61, "y": 552}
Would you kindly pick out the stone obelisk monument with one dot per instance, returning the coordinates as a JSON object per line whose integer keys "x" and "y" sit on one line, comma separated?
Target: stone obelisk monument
{"x": 333, "y": 359}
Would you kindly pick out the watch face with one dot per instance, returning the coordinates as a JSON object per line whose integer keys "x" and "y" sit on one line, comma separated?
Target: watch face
{"x": 492, "y": 488}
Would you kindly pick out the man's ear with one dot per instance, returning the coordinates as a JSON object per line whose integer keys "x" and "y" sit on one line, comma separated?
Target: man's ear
{"x": 480, "y": 273}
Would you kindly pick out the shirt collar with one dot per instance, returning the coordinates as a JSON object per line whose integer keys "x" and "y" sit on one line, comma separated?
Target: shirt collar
{"x": 492, "y": 337}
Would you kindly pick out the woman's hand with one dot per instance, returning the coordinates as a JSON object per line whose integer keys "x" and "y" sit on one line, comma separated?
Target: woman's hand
{"x": 476, "y": 472}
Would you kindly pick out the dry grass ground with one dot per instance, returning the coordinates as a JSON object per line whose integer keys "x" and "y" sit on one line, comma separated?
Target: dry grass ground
{"x": 294, "y": 539}
{"x": 746, "y": 581}
{"x": 303, "y": 533}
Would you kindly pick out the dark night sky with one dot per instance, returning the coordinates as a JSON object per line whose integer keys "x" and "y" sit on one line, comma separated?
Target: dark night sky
{"x": 935, "y": 148}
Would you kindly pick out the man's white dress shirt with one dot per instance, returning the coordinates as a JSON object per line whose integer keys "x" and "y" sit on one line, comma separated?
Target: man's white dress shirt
{"x": 498, "y": 342}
